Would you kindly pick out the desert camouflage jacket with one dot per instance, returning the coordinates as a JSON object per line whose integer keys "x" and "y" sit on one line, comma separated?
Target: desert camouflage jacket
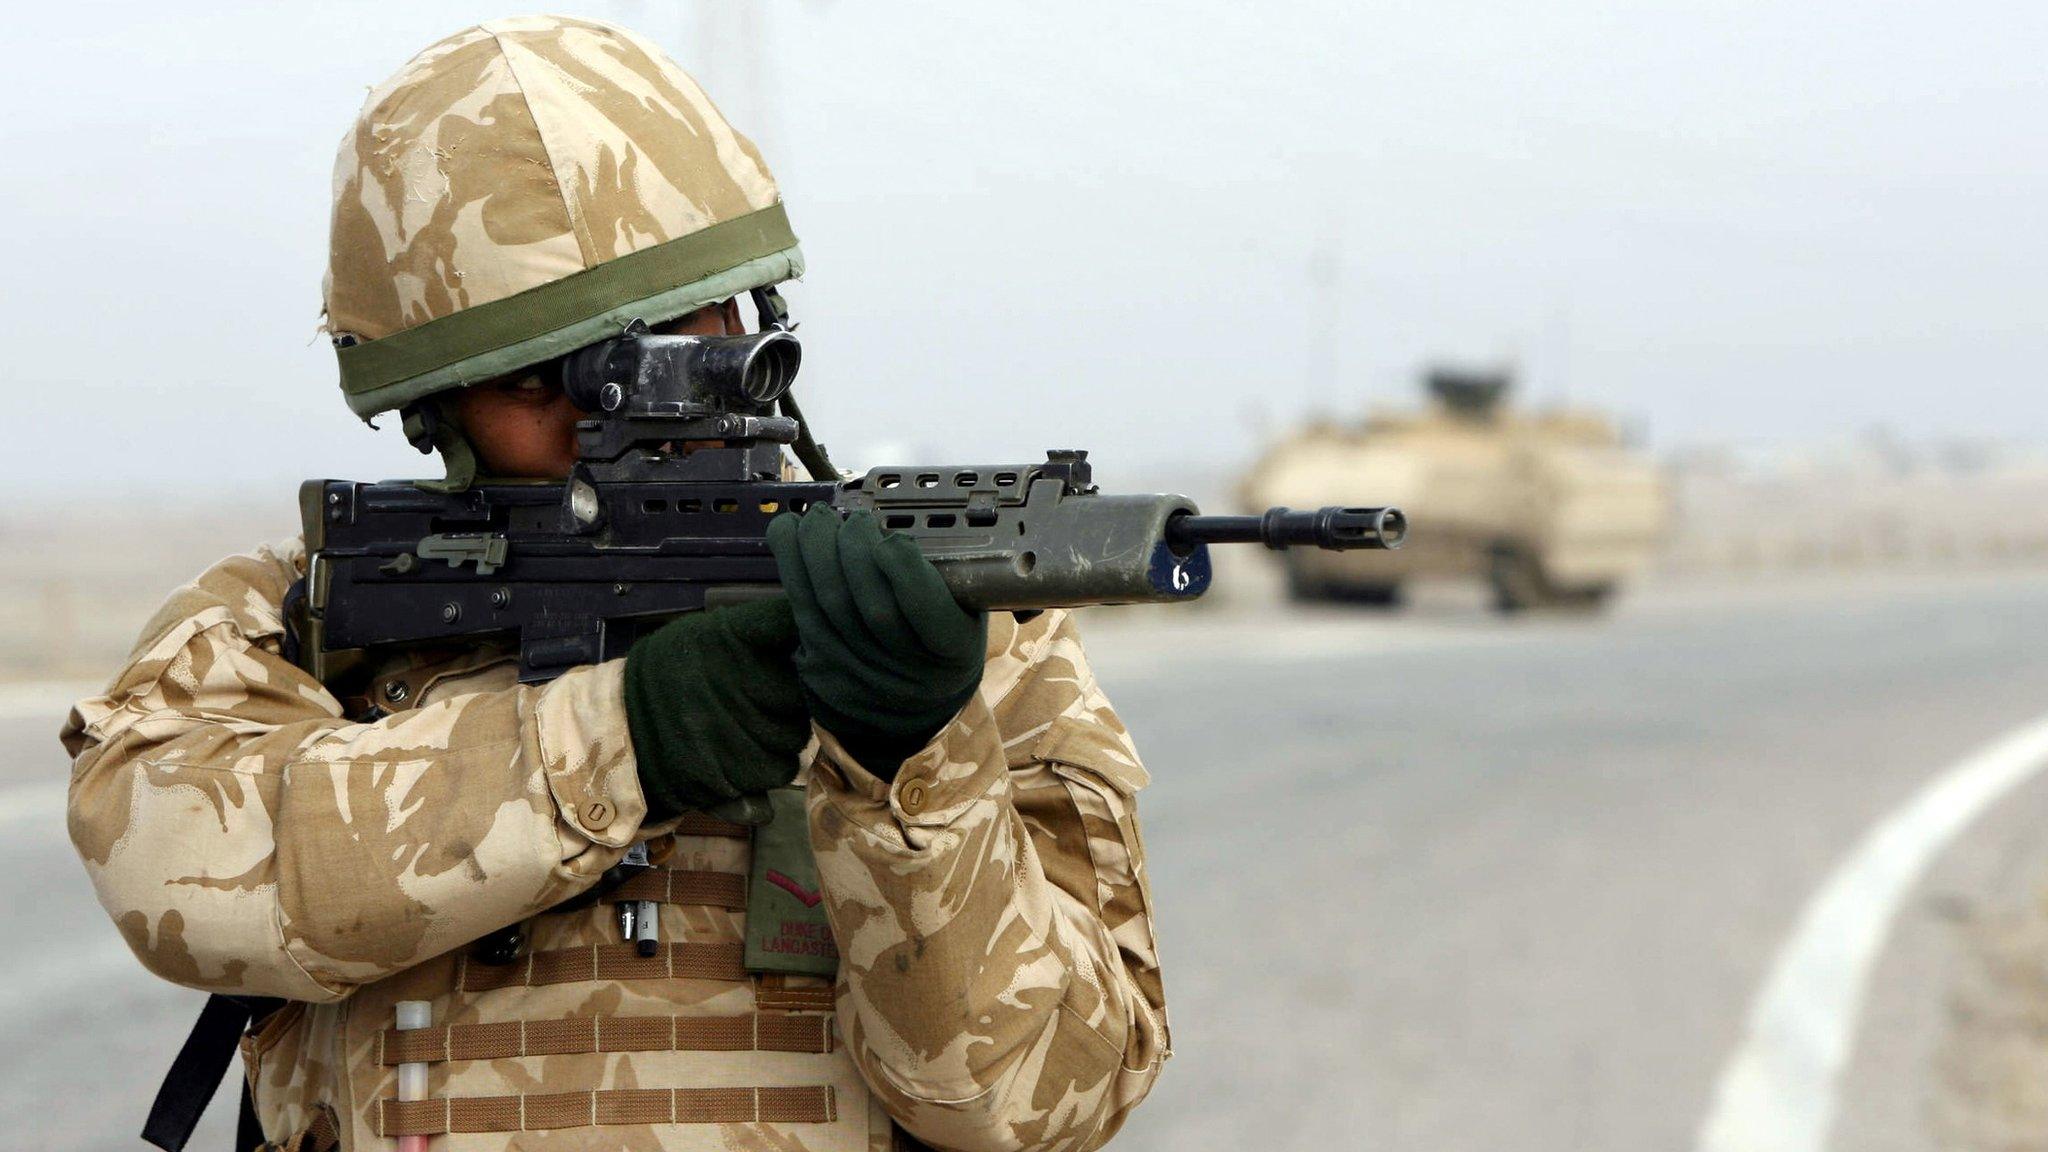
{"x": 999, "y": 983}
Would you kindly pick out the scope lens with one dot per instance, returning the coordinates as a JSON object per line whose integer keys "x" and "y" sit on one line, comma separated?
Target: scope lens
{"x": 586, "y": 374}
{"x": 771, "y": 369}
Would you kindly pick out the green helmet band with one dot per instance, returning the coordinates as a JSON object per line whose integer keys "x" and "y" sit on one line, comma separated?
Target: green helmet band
{"x": 502, "y": 336}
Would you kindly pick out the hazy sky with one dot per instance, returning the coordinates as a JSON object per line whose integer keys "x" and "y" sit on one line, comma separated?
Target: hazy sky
{"x": 1095, "y": 224}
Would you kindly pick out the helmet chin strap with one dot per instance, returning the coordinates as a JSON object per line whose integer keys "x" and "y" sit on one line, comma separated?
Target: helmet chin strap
{"x": 774, "y": 314}
{"x": 771, "y": 309}
{"x": 430, "y": 427}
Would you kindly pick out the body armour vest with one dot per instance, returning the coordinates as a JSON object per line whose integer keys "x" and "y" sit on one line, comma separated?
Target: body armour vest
{"x": 584, "y": 1038}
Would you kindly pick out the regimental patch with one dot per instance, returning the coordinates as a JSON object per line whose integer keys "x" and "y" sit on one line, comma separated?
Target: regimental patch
{"x": 786, "y": 927}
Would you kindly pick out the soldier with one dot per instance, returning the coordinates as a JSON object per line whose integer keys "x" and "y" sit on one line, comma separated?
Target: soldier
{"x": 516, "y": 191}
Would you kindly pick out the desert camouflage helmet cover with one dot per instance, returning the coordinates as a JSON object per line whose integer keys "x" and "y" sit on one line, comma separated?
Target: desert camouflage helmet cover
{"x": 528, "y": 186}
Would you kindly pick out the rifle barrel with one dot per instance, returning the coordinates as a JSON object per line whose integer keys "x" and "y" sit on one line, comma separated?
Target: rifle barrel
{"x": 1334, "y": 529}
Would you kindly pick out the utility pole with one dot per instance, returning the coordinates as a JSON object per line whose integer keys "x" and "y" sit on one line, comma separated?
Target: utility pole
{"x": 1561, "y": 351}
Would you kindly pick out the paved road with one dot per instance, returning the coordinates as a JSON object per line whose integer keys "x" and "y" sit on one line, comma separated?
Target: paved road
{"x": 1432, "y": 882}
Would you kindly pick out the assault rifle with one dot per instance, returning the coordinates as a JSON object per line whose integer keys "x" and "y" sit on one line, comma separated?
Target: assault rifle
{"x": 666, "y": 511}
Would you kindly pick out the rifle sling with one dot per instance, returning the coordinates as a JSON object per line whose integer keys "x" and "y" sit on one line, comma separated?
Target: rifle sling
{"x": 196, "y": 1073}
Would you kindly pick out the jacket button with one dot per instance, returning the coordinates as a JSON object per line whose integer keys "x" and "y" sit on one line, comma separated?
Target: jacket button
{"x": 911, "y": 797}
{"x": 597, "y": 814}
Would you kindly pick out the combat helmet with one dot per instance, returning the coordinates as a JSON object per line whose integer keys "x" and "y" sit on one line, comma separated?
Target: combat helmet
{"x": 526, "y": 187}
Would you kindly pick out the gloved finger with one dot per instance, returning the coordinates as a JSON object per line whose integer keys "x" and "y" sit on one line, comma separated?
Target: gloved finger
{"x": 762, "y": 636}
{"x": 826, "y": 643}
{"x": 751, "y": 713}
{"x": 767, "y": 625}
{"x": 942, "y": 626}
{"x": 818, "y": 546}
{"x": 860, "y": 542}
{"x": 785, "y": 540}
{"x": 782, "y": 543}
{"x": 885, "y": 653}
{"x": 759, "y": 692}
{"x": 780, "y": 744}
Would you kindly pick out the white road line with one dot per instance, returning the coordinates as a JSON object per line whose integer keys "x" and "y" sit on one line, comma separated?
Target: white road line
{"x": 1777, "y": 1092}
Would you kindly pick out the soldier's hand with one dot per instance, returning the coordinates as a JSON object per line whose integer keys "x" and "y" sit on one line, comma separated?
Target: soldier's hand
{"x": 714, "y": 708}
{"x": 886, "y": 657}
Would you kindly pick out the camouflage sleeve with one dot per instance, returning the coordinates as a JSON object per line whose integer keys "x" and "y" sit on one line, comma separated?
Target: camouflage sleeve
{"x": 246, "y": 838}
{"x": 999, "y": 976}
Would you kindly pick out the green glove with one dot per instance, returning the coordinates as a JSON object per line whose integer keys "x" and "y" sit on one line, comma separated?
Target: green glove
{"x": 887, "y": 658}
{"x": 713, "y": 706}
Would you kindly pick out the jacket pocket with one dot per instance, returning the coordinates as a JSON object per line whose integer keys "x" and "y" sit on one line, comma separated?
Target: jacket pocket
{"x": 1100, "y": 779}
{"x": 321, "y": 1134}
{"x": 273, "y": 1059}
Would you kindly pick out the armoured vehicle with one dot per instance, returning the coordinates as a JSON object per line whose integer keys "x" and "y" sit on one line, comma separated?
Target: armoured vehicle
{"x": 1551, "y": 508}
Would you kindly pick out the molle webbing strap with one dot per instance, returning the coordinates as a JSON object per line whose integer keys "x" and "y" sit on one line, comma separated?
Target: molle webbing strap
{"x": 678, "y": 961}
{"x": 698, "y": 824}
{"x": 684, "y": 886}
{"x": 558, "y": 317}
{"x": 752, "y": 1032}
{"x": 774, "y": 991}
{"x": 535, "y": 1113}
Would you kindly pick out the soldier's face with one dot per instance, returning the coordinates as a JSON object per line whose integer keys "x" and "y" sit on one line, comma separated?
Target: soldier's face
{"x": 525, "y": 428}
